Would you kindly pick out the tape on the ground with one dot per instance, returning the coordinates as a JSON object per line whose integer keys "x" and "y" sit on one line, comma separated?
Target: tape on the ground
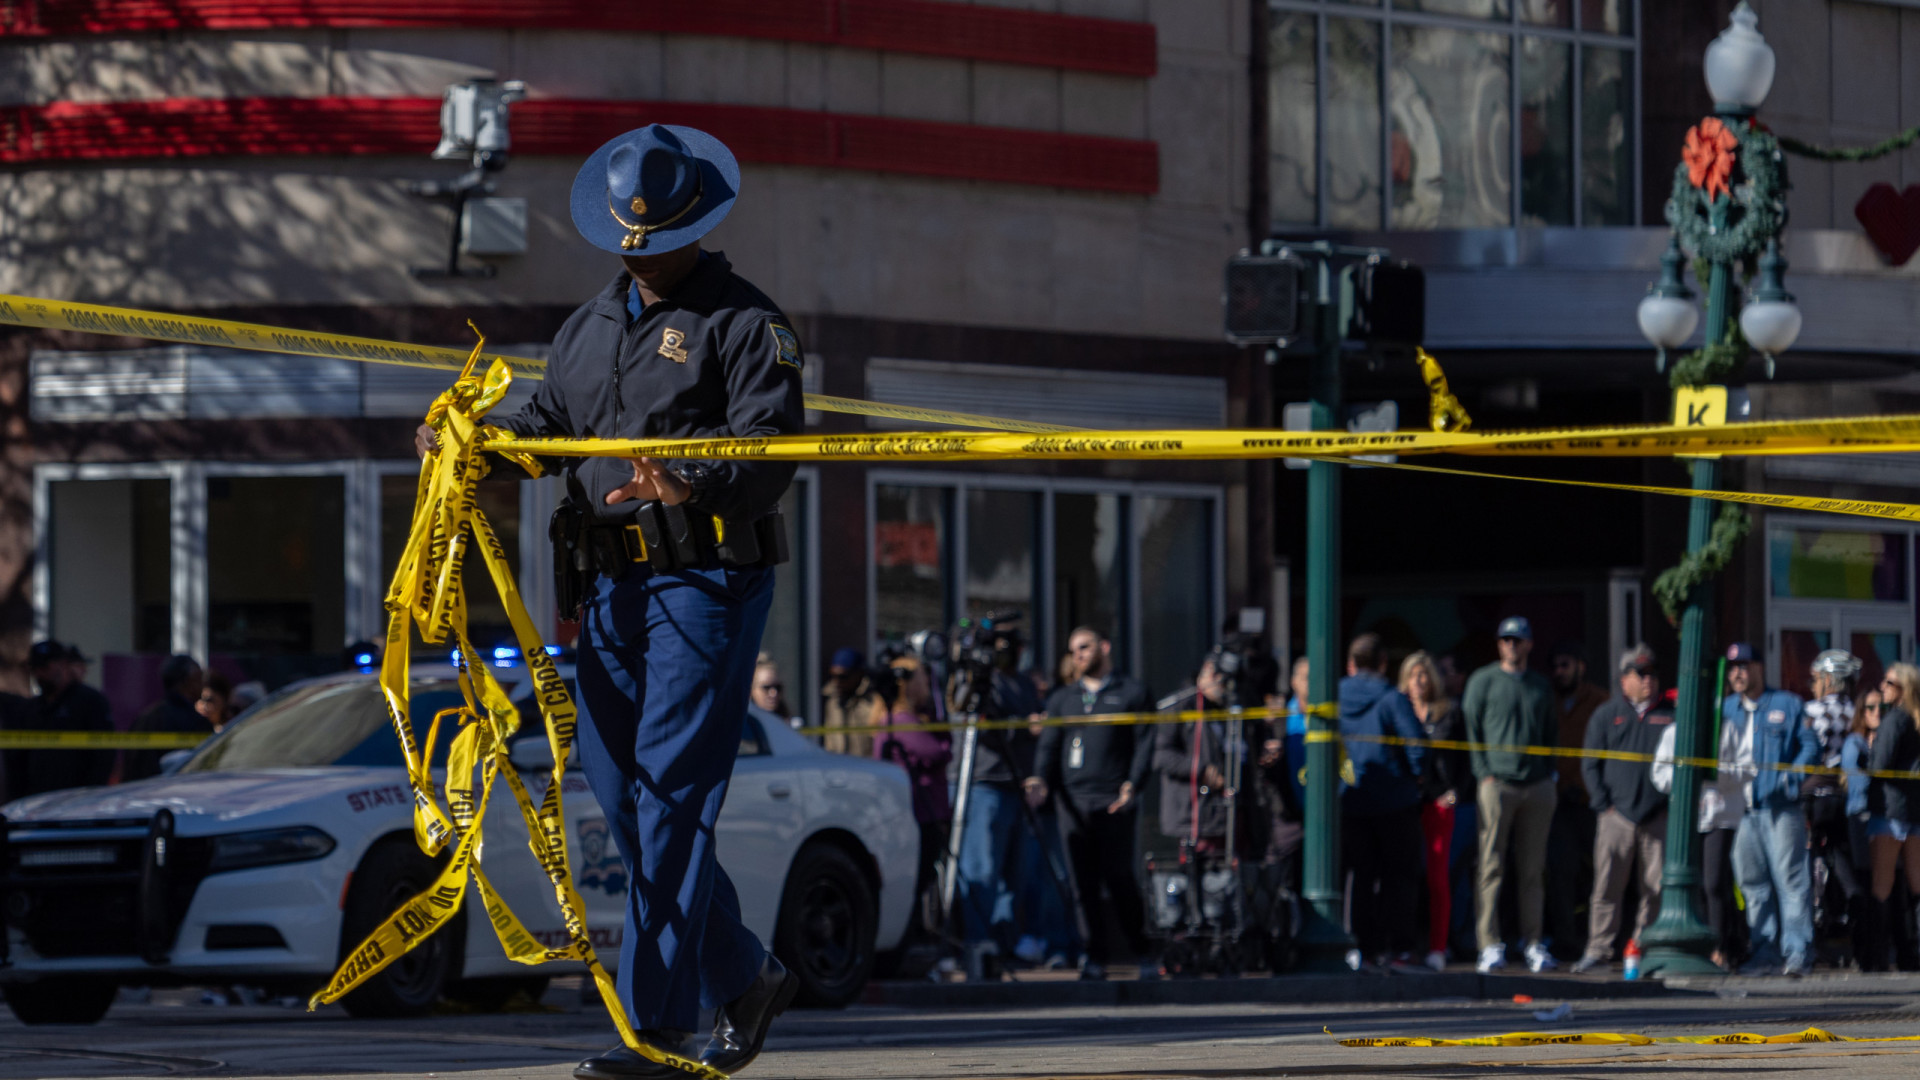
{"x": 102, "y": 740}
{"x": 1615, "y": 1038}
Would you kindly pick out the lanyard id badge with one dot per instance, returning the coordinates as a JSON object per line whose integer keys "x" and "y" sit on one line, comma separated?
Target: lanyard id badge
{"x": 1076, "y": 754}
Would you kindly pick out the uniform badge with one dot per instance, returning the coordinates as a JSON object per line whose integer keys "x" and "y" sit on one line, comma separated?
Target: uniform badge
{"x": 788, "y": 343}
{"x": 673, "y": 345}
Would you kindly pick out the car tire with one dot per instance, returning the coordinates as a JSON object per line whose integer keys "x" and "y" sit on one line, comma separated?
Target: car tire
{"x": 393, "y": 872}
{"x": 493, "y": 994}
{"x": 828, "y": 919}
{"x": 61, "y": 1001}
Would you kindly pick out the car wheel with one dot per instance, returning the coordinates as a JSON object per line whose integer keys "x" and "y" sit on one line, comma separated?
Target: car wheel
{"x": 391, "y": 874}
{"x": 493, "y": 994}
{"x": 61, "y": 1001}
{"x": 827, "y": 925}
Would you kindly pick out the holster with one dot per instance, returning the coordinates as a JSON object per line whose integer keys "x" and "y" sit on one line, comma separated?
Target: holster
{"x": 572, "y": 565}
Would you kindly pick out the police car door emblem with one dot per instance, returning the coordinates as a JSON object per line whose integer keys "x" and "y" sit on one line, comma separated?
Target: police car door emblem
{"x": 671, "y": 345}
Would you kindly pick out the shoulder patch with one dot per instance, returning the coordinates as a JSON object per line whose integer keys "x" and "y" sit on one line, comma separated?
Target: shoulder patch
{"x": 788, "y": 343}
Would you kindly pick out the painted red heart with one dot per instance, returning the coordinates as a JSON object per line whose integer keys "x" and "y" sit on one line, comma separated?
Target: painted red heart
{"x": 1892, "y": 220}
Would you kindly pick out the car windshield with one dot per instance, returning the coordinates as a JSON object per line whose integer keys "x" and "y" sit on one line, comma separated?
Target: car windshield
{"x": 326, "y": 722}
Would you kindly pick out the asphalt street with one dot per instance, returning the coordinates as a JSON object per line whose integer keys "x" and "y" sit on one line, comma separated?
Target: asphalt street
{"x": 175, "y": 1035}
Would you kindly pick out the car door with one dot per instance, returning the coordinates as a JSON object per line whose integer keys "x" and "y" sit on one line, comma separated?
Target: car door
{"x": 760, "y": 828}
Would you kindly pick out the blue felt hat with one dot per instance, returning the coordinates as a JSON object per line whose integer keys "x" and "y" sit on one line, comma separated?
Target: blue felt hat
{"x": 654, "y": 189}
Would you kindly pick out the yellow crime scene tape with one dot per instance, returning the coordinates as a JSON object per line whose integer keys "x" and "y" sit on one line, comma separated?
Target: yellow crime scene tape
{"x": 427, "y": 589}
{"x": 102, "y": 740}
{"x": 1613, "y": 1038}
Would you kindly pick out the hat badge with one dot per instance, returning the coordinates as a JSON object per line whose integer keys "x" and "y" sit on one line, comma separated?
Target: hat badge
{"x": 639, "y": 205}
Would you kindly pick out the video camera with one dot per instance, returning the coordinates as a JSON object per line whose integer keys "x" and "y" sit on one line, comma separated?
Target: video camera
{"x": 975, "y": 652}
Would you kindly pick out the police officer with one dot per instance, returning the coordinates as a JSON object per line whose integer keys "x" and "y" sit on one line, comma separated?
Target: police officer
{"x": 679, "y": 574}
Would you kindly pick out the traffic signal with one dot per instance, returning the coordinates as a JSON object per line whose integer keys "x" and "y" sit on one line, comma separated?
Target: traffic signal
{"x": 1263, "y": 298}
{"x": 1390, "y": 305}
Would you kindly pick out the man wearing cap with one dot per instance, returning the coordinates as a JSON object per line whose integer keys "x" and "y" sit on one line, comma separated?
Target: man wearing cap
{"x": 1630, "y": 829}
{"x": 1761, "y": 728}
{"x": 1506, "y": 704}
{"x": 64, "y": 704}
{"x": 677, "y": 572}
{"x": 851, "y": 702}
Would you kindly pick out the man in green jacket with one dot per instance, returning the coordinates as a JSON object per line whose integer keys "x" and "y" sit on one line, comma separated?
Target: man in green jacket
{"x": 1508, "y": 705}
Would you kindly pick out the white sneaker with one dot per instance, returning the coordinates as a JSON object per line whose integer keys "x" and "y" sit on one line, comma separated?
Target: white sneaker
{"x": 1353, "y": 959}
{"x": 1437, "y": 960}
{"x": 1539, "y": 959}
{"x": 1492, "y": 958}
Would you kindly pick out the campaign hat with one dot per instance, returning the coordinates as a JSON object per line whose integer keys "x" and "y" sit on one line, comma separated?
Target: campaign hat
{"x": 654, "y": 189}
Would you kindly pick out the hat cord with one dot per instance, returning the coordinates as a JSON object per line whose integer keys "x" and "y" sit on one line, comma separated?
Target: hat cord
{"x": 637, "y": 230}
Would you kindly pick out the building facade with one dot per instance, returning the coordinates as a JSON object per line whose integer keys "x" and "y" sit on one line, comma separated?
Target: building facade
{"x": 1016, "y": 209}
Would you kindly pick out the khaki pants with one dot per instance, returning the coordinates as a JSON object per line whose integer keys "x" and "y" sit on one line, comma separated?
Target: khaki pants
{"x": 1514, "y": 819}
{"x": 1617, "y": 843}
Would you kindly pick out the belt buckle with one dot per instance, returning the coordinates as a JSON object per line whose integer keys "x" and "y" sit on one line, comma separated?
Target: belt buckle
{"x": 639, "y": 543}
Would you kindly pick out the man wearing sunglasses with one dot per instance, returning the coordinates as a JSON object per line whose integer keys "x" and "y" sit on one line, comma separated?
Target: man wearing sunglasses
{"x": 1761, "y": 728}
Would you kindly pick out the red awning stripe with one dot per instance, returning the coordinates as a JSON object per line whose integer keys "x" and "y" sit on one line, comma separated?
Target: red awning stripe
{"x": 968, "y": 31}
{"x": 332, "y": 126}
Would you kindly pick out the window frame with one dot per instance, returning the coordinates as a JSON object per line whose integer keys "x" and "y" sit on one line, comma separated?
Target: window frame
{"x": 1040, "y": 626}
{"x": 1841, "y": 616}
{"x": 1386, "y": 16}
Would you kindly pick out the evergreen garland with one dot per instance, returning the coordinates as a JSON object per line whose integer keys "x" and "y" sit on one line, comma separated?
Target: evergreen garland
{"x": 1851, "y": 153}
{"x": 1675, "y": 587}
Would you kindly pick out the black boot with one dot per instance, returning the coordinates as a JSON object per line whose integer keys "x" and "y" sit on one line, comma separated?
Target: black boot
{"x": 740, "y": 1026}
{"x": 1870, "y": 934}
{"x": 623, "y": 1063}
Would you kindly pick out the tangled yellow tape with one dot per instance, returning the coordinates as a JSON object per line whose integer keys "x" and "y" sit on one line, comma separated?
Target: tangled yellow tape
{"x": 1611, "y": 1038}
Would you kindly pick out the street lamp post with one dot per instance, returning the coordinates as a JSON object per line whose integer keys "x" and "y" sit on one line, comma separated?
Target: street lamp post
{"x": 1726, "y": 221}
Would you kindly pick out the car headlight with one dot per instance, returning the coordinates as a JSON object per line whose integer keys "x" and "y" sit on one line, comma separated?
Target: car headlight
{"x": 266, "y": 847}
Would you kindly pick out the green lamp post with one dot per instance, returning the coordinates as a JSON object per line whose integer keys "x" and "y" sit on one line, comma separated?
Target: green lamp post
{"x": 1727, "y": 207}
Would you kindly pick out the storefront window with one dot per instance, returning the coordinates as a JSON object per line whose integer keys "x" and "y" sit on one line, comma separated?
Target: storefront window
{"x": 110, "y": 582}
{"x": 1089, "y": 561}
{"x": 787, "y": 628}
{"x": 1002, "y": 533}
{"x": 487, "y": 624}
{"x": 1177, "y": 620}
{"x": 1429, "y": 90}
{"x": 1838, "y": 564}
{"x": 276, "y": 574}
{"x": 910, "y": 551}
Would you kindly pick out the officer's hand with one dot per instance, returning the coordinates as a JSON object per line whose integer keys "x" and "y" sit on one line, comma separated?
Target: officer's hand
{"x": 651, "y": 480}
{"x": 425, "y": 440}
{"x": 1036, "y": 790}
{"x": 1126, "y": 796}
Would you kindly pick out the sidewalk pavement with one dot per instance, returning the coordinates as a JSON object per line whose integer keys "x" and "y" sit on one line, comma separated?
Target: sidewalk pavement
{"x": 1037, "y": 989}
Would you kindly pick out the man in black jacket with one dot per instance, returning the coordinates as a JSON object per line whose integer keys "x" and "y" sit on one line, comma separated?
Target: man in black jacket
{"x": 64, "y": 704}
{"x": 1632, "y": 814}
{"x": 181, "y": 679}
{"x": 1097, "y": 768}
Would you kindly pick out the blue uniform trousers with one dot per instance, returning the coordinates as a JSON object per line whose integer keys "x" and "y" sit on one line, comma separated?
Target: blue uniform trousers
{"x": 664, "y": 664}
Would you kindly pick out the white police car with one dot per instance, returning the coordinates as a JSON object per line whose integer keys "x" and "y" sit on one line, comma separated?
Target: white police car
{"x": 282, "y": 841}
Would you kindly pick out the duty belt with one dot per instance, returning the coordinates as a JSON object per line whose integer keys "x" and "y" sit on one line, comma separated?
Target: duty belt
{"x": 663, "y": 537}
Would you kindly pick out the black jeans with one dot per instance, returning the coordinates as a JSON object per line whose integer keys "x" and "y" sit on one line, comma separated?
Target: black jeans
{"x": 1100, "y": 846}
{"x": 1716, "y": 881}
{"x": 1384, "y": 855}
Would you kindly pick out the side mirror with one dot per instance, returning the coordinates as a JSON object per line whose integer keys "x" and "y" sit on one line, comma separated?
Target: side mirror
{"x": 171, "y": 761}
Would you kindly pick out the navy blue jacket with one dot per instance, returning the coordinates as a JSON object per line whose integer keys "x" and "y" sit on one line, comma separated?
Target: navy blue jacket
{"x": 717, "y": 358}
{"x": 1386, "y": 779}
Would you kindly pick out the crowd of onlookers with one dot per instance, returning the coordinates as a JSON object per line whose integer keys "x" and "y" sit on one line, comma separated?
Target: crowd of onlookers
{"x": 1466, "y": 833}
{"x": 192, "y": 701}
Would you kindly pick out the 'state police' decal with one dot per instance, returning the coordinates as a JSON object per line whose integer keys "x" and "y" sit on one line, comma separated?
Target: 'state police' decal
{"x": 789, "y": 345}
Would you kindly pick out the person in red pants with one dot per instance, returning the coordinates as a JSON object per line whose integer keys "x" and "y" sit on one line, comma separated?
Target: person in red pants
{"x": 1445, "y": 781}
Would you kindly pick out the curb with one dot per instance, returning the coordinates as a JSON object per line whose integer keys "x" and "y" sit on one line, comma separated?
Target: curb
{"x": 1284, "y": 990}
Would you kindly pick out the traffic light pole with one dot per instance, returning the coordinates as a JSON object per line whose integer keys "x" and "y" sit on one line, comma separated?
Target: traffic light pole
{"x": 1324, "y": 941}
